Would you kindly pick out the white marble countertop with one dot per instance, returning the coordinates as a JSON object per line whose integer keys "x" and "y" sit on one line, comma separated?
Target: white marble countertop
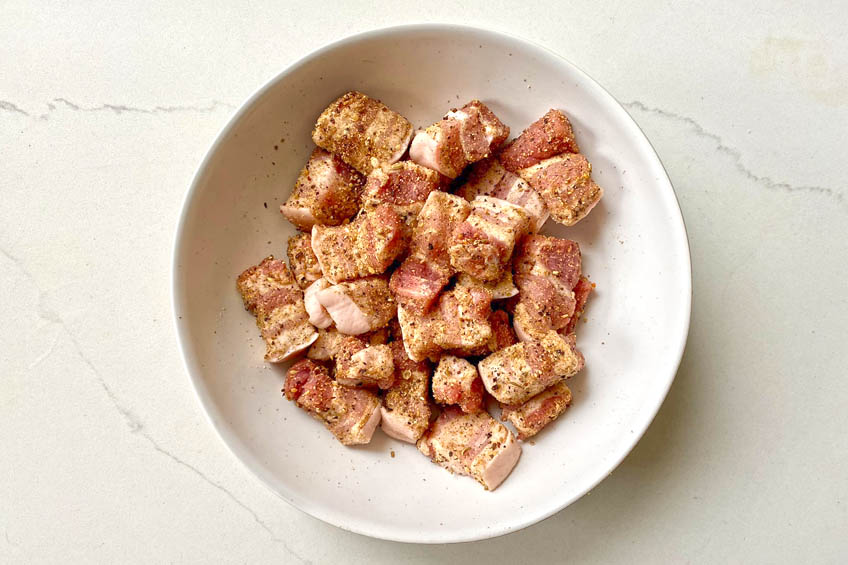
{"x": 106, "y": 110}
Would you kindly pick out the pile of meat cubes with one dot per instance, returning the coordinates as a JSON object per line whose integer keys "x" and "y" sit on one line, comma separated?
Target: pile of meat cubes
{"x": 419, "y": 291}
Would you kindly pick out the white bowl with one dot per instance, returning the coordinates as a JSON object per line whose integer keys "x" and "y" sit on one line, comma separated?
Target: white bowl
{"x": 634, "y": 248}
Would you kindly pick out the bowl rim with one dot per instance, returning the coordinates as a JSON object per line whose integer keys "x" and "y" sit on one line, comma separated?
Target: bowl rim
{"x": 207, "y": 404}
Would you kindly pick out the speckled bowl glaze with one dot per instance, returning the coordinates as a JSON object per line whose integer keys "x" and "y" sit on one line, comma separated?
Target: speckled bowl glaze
{"x": 634, "y": 248}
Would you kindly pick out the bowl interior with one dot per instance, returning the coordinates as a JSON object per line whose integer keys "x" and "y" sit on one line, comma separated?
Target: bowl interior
{"x": 634, "y": 248}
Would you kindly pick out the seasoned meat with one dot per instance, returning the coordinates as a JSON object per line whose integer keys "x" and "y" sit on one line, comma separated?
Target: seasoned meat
{"x": 546, "y": 271}
{"x": 582, "y": 290}
{"x": 406, "y": 406}
{"x": 536, "y": 413}
{"x": 548, "y": 136}
{"x": 462, "y": 137}
{"x": 270, "y": 293}
{"x": 475, "y": 445}
{"x": 358, "y": 364}
{"x": 302, "y": 260}
{"x": 363, "y": 132}
{"x": 350, "y": 414}
{"x": 427, "y": 269}
{"x": 489, "y": 178}
{"x": 366, "y": 246}
{"x": 359, "y": 306}
{"x": 404, "y": 186}
{"x": 459, "y": 324}
{"x": 327, "y": 192}
{"x": 456, "y": 382}
{"x": 482, "y": 245}
{"x": 514, "y": 374}
{"x": 565, "y": 183}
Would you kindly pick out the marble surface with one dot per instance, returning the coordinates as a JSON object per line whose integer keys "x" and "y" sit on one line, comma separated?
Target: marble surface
{"x": 106, "y": 110}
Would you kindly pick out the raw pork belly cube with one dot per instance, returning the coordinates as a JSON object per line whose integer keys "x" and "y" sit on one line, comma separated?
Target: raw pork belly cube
{"x": 318, "y": 315}
{"x": 502, "y": 333}
{"x": 326, "y": 192}
{"x": 548, "y": 136}
{"x": 489, "y": 178}
{"x": 329, "y": 342}
{"x": 404, "y": 185}
{"x": 546, "y": 272}
{"x": 351, "y": 414}
{"x": 566, "y": 185}
{"x": 482, "y": 245}
{"x": 514, "y": 374}
{"x": 462, "y": 137}
{"x": 302, "y": 260}
{"x": 529, "y": 418}
{"x": 359, "y": 306}
{"x": 500, "y": 289}
{"x": 366, "y": 246}
{"x": 364, "y": 132}
{"x": 358, "y": 364}
{"x": 581, "y": 295}
{"x": 475, "y": 445}
{"x": 406, "y": 406}
{"x": 456, "y": 382}
{"x": 427, "y": 269}
{"x": 459, "y": 324}
{"x": 270, "y": 293}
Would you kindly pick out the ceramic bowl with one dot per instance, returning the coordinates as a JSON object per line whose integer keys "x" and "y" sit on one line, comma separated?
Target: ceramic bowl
{"x": 634, "y": 248}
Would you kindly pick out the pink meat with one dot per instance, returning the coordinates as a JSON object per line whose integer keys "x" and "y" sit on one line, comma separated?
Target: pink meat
{"x": 550, "y": 135}
{"x": 489, "y": 178}
{"x": 482, "y": 245}
{"x": 582, "y": 290}
{"x": 366, "y": 246}
{"x": 406, "y": 406}
{"x": 350, "y": 414}
{"x": 270, "y": 293}
{"x": 475, "y": 445}
{"x": 427, "y": 269}
{"x": 359, "y": 306}
{"x": 462, "y": 137}
{"x": 456, "y": 382}
{"x": 530, "y": 417}
{"x": 358, "y": 364}
{"x": 564, "y": 182}
{"x": 327, "y": 192}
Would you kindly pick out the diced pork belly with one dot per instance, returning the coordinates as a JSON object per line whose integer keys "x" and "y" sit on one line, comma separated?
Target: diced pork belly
{"x": 270, "y": 292}
{"x": 502, "y": 332}
{"x": 500, "y": 289}
{"x": 329, "y": 342}
{"x": 404, "y": 185}
{"x": 462, "y": 137}
{"x": 475, "y": 445}
{"x": 482, "y": 245}
{"x": 548, "y": 136}
{"x": 358, "y": 364}
{"x": 529, "y": 418}
{"x": 456, "y": 382}
{"x": 359, "y": 306}
{"x": 581, "y": 295}
{"x": 326, "y": 345}
{"x": 406, "y": 406}
{"x": 489, "y": 178}
{"x": 318, "y": 315}
{"x": 350, "y": 414}
{"x": 427, "y": 269}
{"x": 459, "y": 324}
{"x": 366, "y": 246}
{"x": 565, "y": 183}
{"x": 364, "y": 132}
{"x": 326, "y": 192}
{"x": 302, "y": 260}
{"x": 546, "y": 270}
{"x": 514, "y": 374}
